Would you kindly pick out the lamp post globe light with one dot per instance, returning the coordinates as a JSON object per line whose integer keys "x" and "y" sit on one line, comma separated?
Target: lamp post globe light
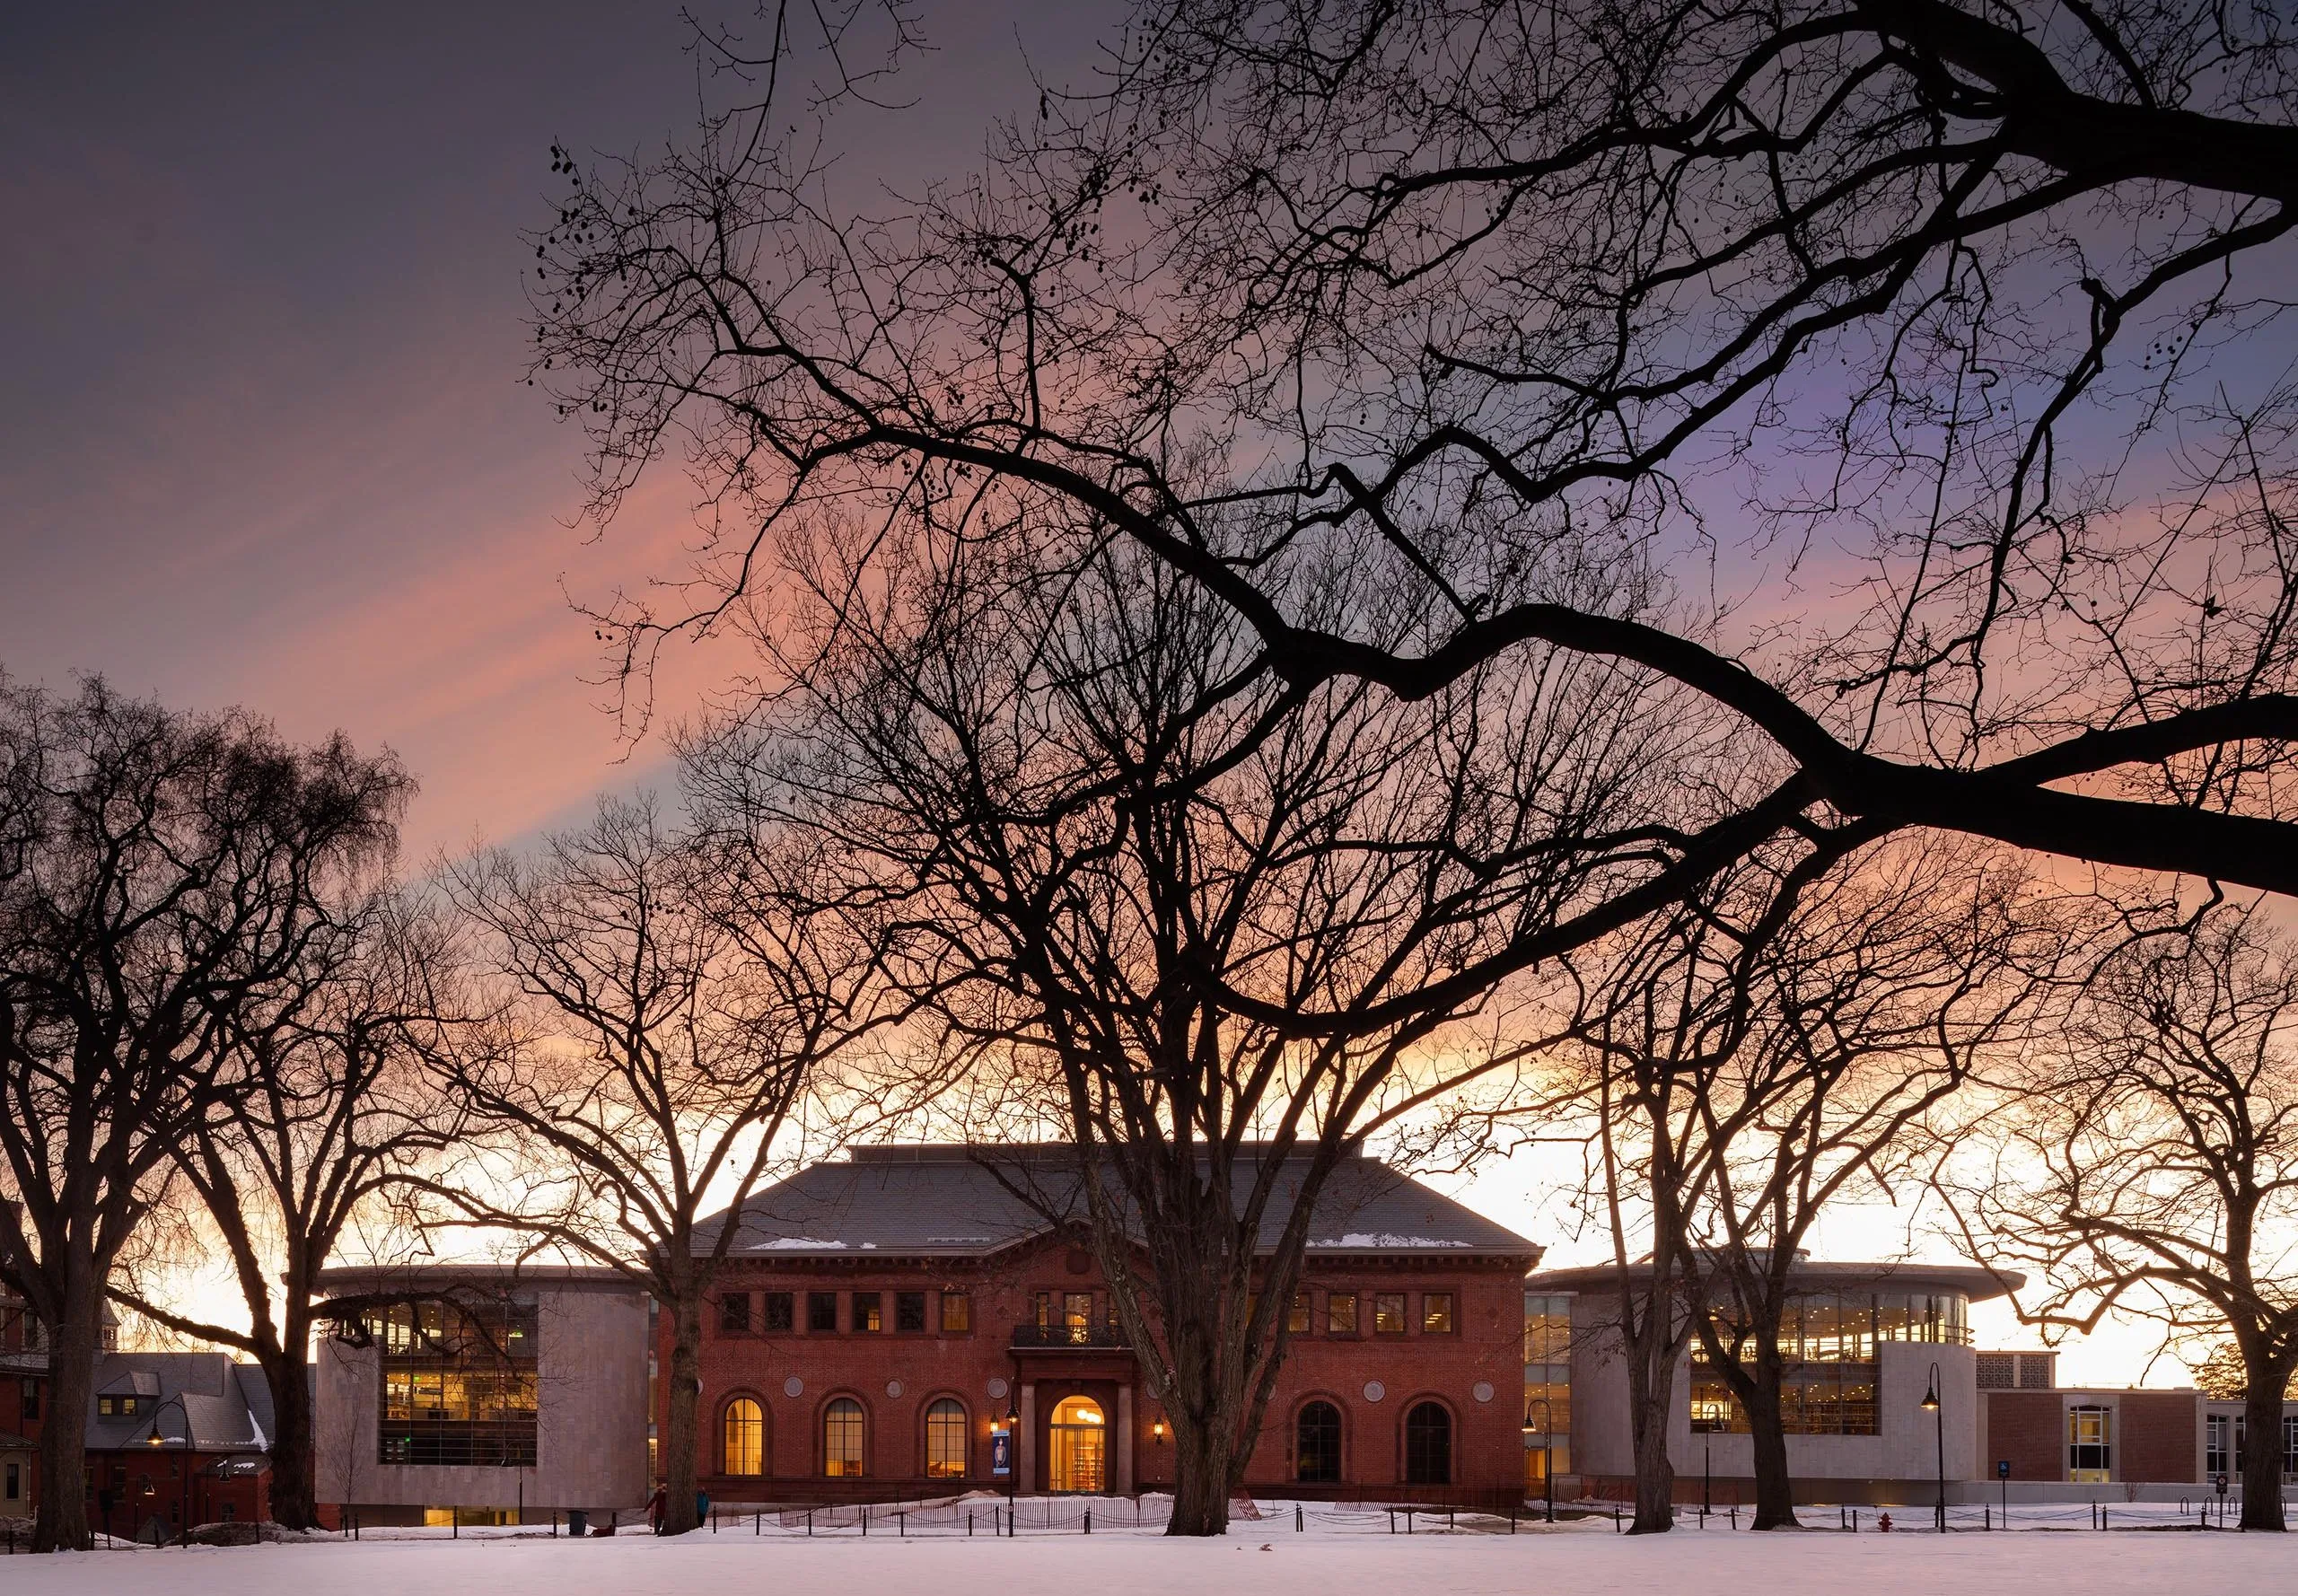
{"x": 183, "y": 1494}
{"x": 1547, "y": 1432}
{"x": 1939, "y": 1423}
{"x": 1012, "y": 1455}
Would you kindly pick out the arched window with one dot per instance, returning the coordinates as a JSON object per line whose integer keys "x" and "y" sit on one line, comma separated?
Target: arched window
{"x": 842, "y": 1439}
{"x": 743, "y": 1449}
{"x": 1317, "y": 1444}
{"x": 945, "y": 1440}
{"x": 1427, "y": 1446}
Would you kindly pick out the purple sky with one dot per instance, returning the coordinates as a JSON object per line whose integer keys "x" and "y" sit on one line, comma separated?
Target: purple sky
{"x": 263, "y": 439}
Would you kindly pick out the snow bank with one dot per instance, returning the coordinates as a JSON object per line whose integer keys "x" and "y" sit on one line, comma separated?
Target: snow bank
{"x": 1265, "y": 1557}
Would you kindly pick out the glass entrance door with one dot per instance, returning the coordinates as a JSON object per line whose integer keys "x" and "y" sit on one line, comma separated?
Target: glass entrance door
{"x": 1077, "y": 1460}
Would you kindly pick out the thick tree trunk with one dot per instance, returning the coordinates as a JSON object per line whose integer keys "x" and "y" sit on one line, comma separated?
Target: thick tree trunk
{"x": 1775, "y": 1490}
{"x": 1204, "y": 1425}
{"x": 61, "y": 1521}
{"x": 1201, "y": 1486}
{"x": 679, "y": 1433}
{"x": 2262, "y": 1449}
{"x": 1655, "y": 1476}
{"x": 293, "y": 1503}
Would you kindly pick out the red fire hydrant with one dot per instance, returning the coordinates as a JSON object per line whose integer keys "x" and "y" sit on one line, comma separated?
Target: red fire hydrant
{"x": 1884, "y": 1523}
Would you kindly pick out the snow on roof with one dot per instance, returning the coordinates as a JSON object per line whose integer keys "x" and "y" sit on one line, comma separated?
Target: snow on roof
{"x": 951, "y": 1200}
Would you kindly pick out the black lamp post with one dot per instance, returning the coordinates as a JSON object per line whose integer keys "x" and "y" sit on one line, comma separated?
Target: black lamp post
{"x": 1548, "y": 1449}
{"x": 1939, "y": 1420}
{"x": 183, "y": 1504}
{"x": 1012, "y": 1452}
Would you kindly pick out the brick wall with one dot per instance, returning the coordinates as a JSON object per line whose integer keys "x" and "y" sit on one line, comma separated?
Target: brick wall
{"x": 2030, "y": 1429}
{"x": 2159, "y": 1437}
{"x": 1484, "y": 1348}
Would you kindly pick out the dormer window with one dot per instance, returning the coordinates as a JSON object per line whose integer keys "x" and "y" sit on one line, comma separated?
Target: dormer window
{"x": 119, "y": 1407}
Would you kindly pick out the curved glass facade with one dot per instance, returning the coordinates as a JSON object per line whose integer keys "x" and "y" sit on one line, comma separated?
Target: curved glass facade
{"x": 1828, "y": 1344}
{"x": 1845, "y": 1327}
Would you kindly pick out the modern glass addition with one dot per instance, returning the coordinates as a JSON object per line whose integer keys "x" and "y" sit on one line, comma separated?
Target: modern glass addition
{"x": 1547, "y": 1329}
{"x": 842, "y": 1439}
{"x": 458, "y": 1383}
{"x": 1428, "y": 1446}
{"x": 1828, "y": 1344}
{"x": 945, "y": 1440}
{"x": 1316, "y": 1444}
{"x": 742, "y": 1443}
{"x": 1814, "y": 1399}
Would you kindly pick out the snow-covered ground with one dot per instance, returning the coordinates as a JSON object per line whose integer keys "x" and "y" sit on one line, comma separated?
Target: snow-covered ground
{"x": 1585, "y": 1559}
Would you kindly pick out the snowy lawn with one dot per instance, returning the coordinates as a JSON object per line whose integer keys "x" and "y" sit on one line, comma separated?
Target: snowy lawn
{"x": 1257, "y": 1557}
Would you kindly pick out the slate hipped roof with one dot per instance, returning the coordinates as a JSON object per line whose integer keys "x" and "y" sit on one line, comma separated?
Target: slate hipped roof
{"x": 955, "y": 1201}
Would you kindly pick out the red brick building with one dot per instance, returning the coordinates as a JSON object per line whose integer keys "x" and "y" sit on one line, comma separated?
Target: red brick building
{"x": 23, "y": 1384}
{"x": 177, "y": 1440}
{"x": 902, "y": 1324}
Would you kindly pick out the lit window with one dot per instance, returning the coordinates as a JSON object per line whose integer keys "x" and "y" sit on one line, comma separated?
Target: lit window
{"x": 2089, "y": 1446}
{"x": 1436, "y": 1312}
{"x": 1547, "y": 1329}
{"x": 1388, "y": 1314}
{"x": 842, "y": 1439}
{"x": 957, "y": 1311}
{"x": 945, "y": 1440}
{"x": 1296, "y": 1318}
{"x": 867, "y": 1315}
{"x": 457, "y": 1387}
{"x": 745, "y": 1438}
{"x": 1340, "y": 1313}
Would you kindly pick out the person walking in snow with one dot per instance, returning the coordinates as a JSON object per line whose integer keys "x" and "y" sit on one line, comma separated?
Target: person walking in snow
{"x": 656, "y": 1504}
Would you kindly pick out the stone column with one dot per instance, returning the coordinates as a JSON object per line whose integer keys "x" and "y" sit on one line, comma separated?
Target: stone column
{"x": 1124, "y": 1440}
{"x": 1025, "y": 1442}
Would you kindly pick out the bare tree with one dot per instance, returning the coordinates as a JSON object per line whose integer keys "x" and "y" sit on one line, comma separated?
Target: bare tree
{"x": 1756, "y": 1054}
{"x": 1117, "y": 885}
{"x": 2150, "y": 1165}
{"x": 666, "y": 1009}
{"x": 330, "y": 1116}
{"x": 1946, "y": 305}
{"x": 163, "y": 874}
{"x": 1880, "y": 994}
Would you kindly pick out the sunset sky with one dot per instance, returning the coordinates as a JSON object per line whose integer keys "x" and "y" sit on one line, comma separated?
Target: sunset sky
{"x": 264, "y": 438}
